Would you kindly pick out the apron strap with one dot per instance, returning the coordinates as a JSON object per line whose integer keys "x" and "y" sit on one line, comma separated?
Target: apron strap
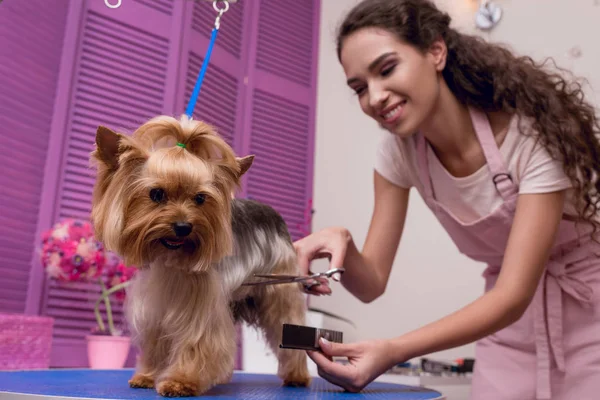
{"x": 500, "y": 175}
{"x": 548, "y": 320}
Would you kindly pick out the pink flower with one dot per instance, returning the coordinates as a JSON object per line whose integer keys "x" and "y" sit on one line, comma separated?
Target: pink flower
{"x": 71, "y": 253}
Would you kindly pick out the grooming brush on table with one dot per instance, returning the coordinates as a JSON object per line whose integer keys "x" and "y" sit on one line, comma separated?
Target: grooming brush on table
{"x": 301, "y": 337}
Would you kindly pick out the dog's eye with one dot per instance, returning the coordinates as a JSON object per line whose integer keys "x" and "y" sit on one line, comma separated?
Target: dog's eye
{"x": 157, "y": 195}
{"x": 200, "y": 198}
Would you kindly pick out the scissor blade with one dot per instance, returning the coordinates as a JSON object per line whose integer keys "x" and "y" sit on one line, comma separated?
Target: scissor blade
{"x": 271, "y": 282}
{"x": 277, "y": 276}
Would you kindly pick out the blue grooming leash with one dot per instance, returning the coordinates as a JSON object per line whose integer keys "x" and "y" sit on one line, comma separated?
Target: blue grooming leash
{"x": 213, "y": 37}
{"x": 194, "y": 97}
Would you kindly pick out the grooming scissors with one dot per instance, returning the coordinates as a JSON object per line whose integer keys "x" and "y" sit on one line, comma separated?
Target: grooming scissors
{"x": 276, "y": 279}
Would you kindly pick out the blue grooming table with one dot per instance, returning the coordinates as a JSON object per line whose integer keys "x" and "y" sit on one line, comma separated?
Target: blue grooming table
{"x": 112, "y": 384}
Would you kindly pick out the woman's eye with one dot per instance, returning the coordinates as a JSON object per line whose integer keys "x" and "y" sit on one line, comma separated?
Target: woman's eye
{"x": 388, "y": 70}
{"x": 157, "y": 195}
{"x": 359, "y": 90}
{"x": 200, "y": 198}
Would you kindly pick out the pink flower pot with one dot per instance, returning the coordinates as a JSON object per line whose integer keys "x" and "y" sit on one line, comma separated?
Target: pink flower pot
{"x": 107, "y": 352}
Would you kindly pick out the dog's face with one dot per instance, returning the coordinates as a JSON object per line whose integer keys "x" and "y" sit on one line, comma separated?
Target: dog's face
{"x": 156, "y": 202}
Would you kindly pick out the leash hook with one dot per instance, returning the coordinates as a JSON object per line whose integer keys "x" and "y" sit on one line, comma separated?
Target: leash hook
{"x": 109, "y": 5}
{"x": 220, "y": 10}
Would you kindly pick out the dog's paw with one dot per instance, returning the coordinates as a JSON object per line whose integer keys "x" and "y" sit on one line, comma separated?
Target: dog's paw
{"x": 172, "y": 388}
{"x": 140, "y": 381}
{"x": 299, "y": 380}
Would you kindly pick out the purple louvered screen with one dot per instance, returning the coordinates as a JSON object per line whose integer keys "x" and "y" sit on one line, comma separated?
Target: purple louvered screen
{"x": 124, "y": 64}
{"x": 281, "y": 108}
{"x": 31, "y": 37}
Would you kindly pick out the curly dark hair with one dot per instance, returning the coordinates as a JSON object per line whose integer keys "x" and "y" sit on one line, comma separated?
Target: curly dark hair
{"x": 490, "y": 77}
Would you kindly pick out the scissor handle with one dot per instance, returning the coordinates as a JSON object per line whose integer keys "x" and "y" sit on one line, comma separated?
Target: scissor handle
{"x": 334, "y": 273}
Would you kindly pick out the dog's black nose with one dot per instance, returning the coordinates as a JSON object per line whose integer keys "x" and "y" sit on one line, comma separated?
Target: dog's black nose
{"x": 182, "y": 228}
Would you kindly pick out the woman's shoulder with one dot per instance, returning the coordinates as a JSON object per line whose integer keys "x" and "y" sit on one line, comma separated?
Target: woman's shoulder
{"x": 530, "y": 162}
{"x": 396, "y": 159}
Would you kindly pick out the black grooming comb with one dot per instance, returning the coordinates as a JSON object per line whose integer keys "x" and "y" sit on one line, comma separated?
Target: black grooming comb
{"x": 307, "y": 338}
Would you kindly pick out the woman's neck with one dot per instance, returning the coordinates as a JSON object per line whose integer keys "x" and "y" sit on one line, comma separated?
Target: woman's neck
{"x": 449, "y": 129}
{"x": 452, "y": 136}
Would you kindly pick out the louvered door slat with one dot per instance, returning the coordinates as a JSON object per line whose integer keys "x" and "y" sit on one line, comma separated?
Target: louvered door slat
{"x": 273, "y": 120}
{"x": 14, "y": 304}
{"x": 20, "y": 189}
{"x": 17, "y": 235}
{"x": 163, "y": 6}
{"x": 14, "y": 276}
{"x": 21, "y": 145}
{"x": 273, "y": 128}
{"x": 292, "y": 109}
{"x": 265, "y": 146}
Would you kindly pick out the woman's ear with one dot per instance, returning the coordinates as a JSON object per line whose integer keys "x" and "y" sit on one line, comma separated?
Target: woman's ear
{"x": 437, "y": 53}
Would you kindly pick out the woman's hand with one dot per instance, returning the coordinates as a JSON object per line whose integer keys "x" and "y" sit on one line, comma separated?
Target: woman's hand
{"x": 366, "y": 361}
{"x": 330, "y": 243}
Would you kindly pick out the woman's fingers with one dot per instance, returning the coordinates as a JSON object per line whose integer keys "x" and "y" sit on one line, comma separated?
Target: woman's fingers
{"x": 326, "y": 244}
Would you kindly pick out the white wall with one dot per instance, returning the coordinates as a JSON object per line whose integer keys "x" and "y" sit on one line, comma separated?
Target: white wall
{"x": 427, "y": 281}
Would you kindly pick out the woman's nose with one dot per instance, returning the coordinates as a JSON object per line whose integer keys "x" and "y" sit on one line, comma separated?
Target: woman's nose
{"x": 378, "y": 96}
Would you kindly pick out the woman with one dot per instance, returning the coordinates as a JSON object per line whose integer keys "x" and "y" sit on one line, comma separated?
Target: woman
{"x": 505, "y": 155}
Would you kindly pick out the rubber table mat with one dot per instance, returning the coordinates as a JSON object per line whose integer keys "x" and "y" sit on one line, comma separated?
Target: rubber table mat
{"x": 112, "y": 384}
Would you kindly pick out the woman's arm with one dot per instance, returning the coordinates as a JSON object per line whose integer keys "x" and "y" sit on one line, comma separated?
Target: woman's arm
{"x": 531, "y": 238}
{"x": 367, "y": 272}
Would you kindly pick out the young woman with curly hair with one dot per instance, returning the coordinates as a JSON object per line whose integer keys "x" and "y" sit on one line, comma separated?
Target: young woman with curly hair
{"x": 505, "y": 153}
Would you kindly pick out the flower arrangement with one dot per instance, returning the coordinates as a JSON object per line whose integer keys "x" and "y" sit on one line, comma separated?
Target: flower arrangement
{"x": 70, "y": 253}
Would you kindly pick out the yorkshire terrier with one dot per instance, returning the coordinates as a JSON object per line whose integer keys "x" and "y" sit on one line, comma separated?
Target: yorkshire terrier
{"x": 164, "y": 200}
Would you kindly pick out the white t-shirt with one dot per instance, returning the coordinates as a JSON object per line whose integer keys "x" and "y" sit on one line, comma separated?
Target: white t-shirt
{"x": 474, "y": 196}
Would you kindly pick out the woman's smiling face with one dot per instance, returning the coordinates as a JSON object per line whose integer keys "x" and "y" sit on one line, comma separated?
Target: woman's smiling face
{"x": 397, "y": 85}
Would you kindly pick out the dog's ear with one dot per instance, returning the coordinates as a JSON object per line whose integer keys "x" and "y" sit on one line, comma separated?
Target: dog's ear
{"x": 107, "y": 145}
{"x": 245, "y": 163}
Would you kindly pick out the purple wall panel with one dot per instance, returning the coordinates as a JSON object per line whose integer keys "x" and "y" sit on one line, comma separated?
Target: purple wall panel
{"x": 31, "y": 37}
